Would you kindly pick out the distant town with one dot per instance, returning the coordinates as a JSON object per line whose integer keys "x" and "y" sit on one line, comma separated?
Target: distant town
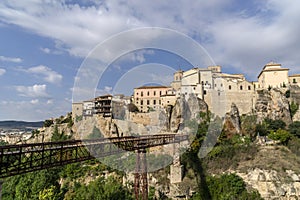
{"x": 209, "y": 84}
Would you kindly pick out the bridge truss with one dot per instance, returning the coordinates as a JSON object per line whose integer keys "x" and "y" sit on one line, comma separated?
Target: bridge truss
{"x": 23, "y": 158}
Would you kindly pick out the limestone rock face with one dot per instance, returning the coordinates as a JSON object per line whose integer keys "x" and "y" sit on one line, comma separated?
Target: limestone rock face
{"x": 232, "y": 124}
{"x": 273, "y": 105}
{"x": 271, "y": 185}
{"x": 295, "y": 93}
{"x": 186, "y": 110}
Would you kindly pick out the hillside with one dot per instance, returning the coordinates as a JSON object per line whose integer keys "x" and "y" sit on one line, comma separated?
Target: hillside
{"x": 10, "y": 124}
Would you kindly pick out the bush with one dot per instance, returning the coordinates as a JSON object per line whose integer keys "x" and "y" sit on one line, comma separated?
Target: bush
{"x": 280, "y": 135}
{"x": 48, "y": 122}
{"x": 227, "y": 187}
{"x": 294, "y": 108}
{"x": 294, "y": 128}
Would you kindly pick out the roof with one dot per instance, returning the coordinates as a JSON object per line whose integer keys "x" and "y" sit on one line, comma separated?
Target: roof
{"x": 278, "y": 68}
{"x": 152, "y": 87}
{"x": 295, "y": 75}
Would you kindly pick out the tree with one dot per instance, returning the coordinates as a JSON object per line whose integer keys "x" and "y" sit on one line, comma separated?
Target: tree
{"x": 281, "y": 135}
{"x": 294, "y": 128}
{"x": 48, "y": 122}
{"x": 294, "y": 108}
{"x": 274, "y": 125}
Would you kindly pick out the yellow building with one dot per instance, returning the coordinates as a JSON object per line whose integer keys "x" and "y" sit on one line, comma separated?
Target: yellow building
{"x": 273, "y": 75}
{"x": 294, "y": 79}
{"x": 147, "y": 97}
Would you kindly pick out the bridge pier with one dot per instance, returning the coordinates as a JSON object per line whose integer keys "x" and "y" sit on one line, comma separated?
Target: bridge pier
{"x": 140, "y": 177}
{"x": 1, "y": 182}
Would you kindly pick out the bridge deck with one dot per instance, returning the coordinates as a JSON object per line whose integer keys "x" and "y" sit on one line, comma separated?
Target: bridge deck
{"x": 23, "y": 158}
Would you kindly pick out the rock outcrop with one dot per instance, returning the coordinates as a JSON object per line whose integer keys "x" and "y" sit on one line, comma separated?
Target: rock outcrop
{"x": 271, "y": 185}
{"x": 232, "y": 124}
{"x": 273, "y": 105}
{"x": 185, "y": 110}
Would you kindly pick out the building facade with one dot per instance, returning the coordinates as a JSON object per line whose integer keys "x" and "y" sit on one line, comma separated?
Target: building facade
{"x": 273, "y": 76}
{"x": 77, "y": 109}
{"x": 294, "y": 79}
{"x": 103, "y": 105}
{"x": 148, "y": 97}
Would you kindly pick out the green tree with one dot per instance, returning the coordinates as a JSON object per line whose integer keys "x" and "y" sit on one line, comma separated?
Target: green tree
{"x": 294, "y": 108}
{"x": 274, "y": 125}
{"x": 48, "y": 122}
{"x": 228, "y": 187}
{"x": 281, "y": 135}
{"x": 103, "y": 189}
{"x": 294, "y": 128}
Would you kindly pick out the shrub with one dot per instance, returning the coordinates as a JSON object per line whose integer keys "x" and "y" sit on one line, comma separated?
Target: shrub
{"x": 294, "y": 128}
{"x": 281, "y": 135}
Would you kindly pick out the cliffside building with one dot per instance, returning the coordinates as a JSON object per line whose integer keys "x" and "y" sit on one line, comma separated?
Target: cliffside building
{"x": 273, "y": 75}
{"x": 88, "y": 108}
{"x": 103, "y": 105}
{"x": 147, "y": 97}
{"x": 76, "y": 110}
{"x": 294, "y": 79}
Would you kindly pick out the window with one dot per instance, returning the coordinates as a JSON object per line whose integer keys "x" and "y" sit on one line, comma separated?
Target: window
{"x": 159, "y": 101}
{"x": 241, "y": 87}
{"x": 154, "y": 102}
{"x": 154, "y": 93}
{"x": 204, "y": 92}
{"x": 142, "y": 94}
{"x": 166, "y": 92}
{"x": 137, "y": 93}
{"x": 142, "y": 102}
{"x": 194, "y": 88}
{"x": 294, "y": 80}
{"x": 159, "y": 93}
{"x": 168, "y": 101}
{"x": 221, "y": 84}
{"x": 229, "y": 87}
{"x": 249, "y": 87}
{"x": 148, "y": 102}
{"x": 148, "y": 93}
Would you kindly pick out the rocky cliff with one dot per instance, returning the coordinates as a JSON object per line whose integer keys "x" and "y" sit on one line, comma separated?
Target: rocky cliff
{"x": 273, "y": 105}
{"x": 185, "y": 110}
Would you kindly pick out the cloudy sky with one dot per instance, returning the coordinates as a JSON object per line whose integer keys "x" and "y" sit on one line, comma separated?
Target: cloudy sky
{"x": 43, "y": 43}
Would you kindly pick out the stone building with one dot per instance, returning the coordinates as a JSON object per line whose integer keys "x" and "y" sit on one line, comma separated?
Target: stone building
{"x": 147, "y": 97}
{"x": 219, "y": 90}
{"x": 103, "y": 105}
{"x": 88, "y": 108}
{"x": 273, "y": 75}
{"x": 294, "y": 79}
{"x": 169, "y": 98}
{"x": 76, "y": 110}
{"x": 176, "y": 83}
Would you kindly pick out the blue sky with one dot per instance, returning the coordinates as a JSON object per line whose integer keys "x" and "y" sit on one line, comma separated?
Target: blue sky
{"x": 43, "y": 43}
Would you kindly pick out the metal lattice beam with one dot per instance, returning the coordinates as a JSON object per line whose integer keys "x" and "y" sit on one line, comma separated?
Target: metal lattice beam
{"x": 23, "y": 158}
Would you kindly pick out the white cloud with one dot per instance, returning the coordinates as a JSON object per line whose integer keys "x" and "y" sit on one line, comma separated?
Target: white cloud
{"x": 2, "y": 71}
{"x": 104, "y": 91}
{"x": 45, "y": 50}
{"x": 243, "y": 35}
{"x": 10, "y": 59}
{"x": 51, "y": 51}
{"x": 32, "y": 110}
{"x": 34, "y": 101}
{"x": 48, "y": 74}
{"x": 50, "y": 101}
{"x": 35, "y": 91}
